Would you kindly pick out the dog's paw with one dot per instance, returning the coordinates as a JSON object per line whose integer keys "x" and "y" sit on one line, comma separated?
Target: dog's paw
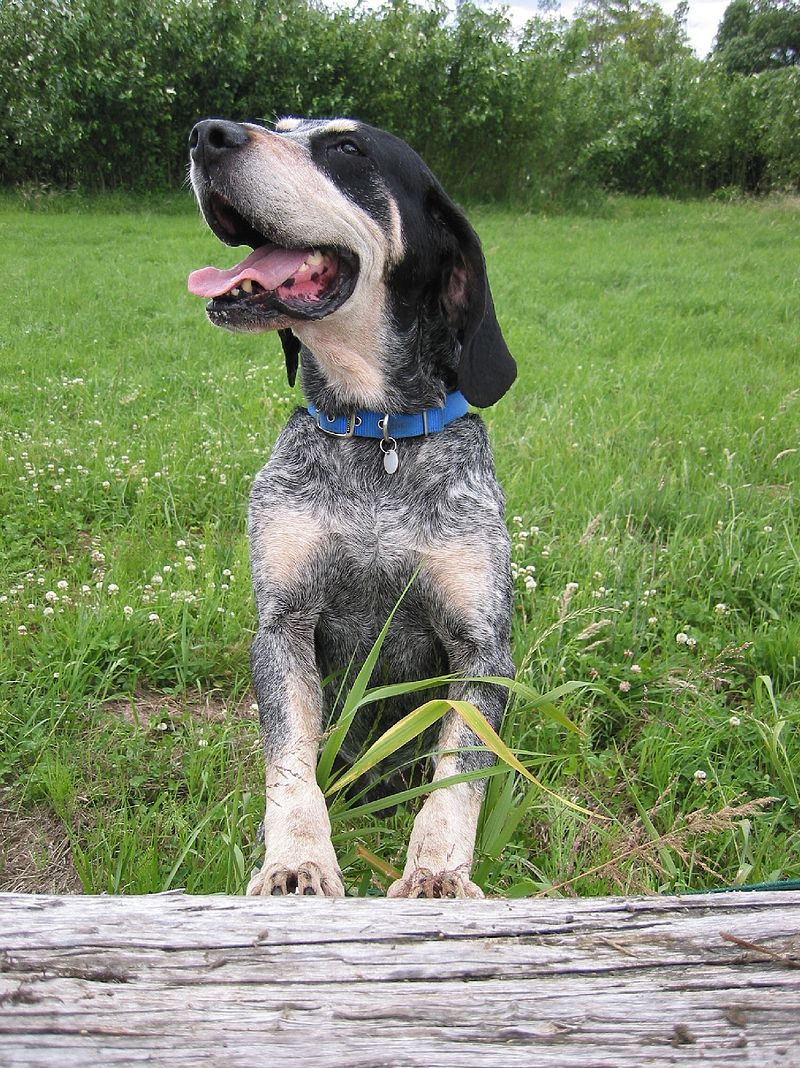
{"x": 425, "y": 883}
{"x": 307, "y": 879}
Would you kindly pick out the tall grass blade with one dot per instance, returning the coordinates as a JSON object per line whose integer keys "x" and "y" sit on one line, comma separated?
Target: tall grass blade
{"x": 333, "y": 744}
{"x": 398, "y": 735}
{"x": 492, "y": 740}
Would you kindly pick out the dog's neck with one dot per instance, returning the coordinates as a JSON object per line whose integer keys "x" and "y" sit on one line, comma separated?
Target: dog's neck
{"x": 415, "y": 373}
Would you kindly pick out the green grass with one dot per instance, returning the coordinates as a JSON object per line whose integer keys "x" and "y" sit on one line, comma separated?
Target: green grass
{"x": 649, "y": 457}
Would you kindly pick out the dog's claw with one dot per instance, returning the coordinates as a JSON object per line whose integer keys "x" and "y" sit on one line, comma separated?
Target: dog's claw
{"x": 309, "y": 879}
{"x": 424, "y": 883}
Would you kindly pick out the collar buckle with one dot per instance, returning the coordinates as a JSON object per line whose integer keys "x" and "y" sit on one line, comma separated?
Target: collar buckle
{"x": 350, "y": 427}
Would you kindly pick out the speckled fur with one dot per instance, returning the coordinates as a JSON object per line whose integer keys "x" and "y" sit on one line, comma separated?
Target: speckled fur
{"x": 335, "y": 539}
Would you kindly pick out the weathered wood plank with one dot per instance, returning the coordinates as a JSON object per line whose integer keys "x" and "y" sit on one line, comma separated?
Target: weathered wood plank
{"x": 605, "y": 983}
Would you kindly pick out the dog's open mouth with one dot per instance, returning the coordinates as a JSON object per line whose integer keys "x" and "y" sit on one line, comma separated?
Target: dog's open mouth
{"x": 274, "y": 283}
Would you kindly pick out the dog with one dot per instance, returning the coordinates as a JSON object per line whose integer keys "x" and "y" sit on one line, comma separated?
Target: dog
{"x": 376, "y": 284}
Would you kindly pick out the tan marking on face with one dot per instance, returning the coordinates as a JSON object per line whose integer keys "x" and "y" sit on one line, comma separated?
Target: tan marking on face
{"x": 462, "y": 573}
{"x": 398, "y": 244}
{"x": 283, "y": 545}
{"x": 280, "y": 188}
{"x": 338, "y": 126}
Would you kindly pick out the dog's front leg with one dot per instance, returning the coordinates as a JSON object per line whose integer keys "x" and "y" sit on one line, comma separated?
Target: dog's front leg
{"x": 442, "y": 842}
{"x": 469, "y": 588}
{"x": 297, "y": 831}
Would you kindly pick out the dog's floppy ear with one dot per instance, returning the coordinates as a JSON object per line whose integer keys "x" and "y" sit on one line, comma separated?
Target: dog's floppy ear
{"x": 291, "y": 350}
{"x": 486, "y": 368}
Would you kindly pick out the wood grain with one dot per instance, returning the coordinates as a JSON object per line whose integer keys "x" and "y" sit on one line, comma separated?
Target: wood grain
{"x": 593, "y": 983}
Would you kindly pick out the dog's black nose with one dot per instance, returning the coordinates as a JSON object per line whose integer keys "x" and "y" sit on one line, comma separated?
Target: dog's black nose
{"x": 212, "y": 138}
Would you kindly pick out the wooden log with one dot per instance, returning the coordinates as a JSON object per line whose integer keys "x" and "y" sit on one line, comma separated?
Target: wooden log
{"x": 594, "y": 983}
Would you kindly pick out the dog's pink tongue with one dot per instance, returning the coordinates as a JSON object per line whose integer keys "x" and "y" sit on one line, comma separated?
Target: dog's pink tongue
{"x": 269, "y": 265}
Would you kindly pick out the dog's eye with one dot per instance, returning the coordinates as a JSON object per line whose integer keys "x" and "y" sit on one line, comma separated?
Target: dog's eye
{"x": 350, "y": 148}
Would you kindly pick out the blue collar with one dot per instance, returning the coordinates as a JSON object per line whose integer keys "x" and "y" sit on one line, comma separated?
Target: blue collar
{"x": 365, "y": 424}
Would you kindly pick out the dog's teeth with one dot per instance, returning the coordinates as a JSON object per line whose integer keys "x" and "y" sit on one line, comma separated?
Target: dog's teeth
{"x": 315, "y": 257}
{"x": 247, "y": 285}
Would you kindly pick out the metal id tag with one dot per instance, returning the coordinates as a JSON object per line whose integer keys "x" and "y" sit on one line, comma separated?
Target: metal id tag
{"x": 391, "y": 461}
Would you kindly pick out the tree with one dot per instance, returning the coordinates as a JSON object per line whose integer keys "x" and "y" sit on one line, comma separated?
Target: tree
{"x": 643, "y": 30}
{"x": 758, "y": 35}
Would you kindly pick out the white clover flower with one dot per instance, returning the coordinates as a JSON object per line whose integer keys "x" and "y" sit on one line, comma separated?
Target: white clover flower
{"x": 154, "y": 617}
{"x": 227, "y": 572}
{"x": 624, "y": 686}
{"x": 48, "y": 611}
{"x": 768, "y": 529}
{"x": 700, "y": 776}
{"x": 112, "y": 589}
{"x": 636, "y": 669}
{"x": 734, "y": 721}
{"x": 127, "y": 611}
{"x": 62, "y": 584}
{"x": 86, "y": 589}
{"x": 530, "y": 582}
{"x": 691, "y": 642}
{"x": 51, "y": 596}
{"x": 652, "y": 620}
{"x": 157, "y": 580}
{"x": 681, "y": 638}
{"x": 167, "y": 569}
{"x": 22, "y": 629}
{"x": 721, "y": 609}
{"x": 202, "y": 743}
{"x": 181, "y": 544}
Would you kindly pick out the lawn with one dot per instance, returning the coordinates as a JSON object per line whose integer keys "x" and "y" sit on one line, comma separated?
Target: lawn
{"x": 649, "y": 453}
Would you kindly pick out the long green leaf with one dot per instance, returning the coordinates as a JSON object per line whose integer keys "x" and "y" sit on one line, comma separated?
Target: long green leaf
{"x": 337, "y": 736}
{"x": 390, "y": 800}
{"x": 398, "y": 735}
{"x": 490, "y": 738}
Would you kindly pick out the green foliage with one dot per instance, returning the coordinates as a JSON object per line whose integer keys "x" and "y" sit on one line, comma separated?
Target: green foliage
{"x": 102, "y": 94}
{"x": 759, "y": 35}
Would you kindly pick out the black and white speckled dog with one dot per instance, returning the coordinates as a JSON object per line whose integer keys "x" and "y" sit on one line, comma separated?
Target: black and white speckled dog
{"x": 376, "y": 279}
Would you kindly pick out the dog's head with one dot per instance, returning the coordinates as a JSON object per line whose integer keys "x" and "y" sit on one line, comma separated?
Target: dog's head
{"x": 357, "y": 252}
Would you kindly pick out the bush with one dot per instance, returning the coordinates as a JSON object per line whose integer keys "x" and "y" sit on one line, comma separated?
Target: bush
{"x": 103, "y": 94}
